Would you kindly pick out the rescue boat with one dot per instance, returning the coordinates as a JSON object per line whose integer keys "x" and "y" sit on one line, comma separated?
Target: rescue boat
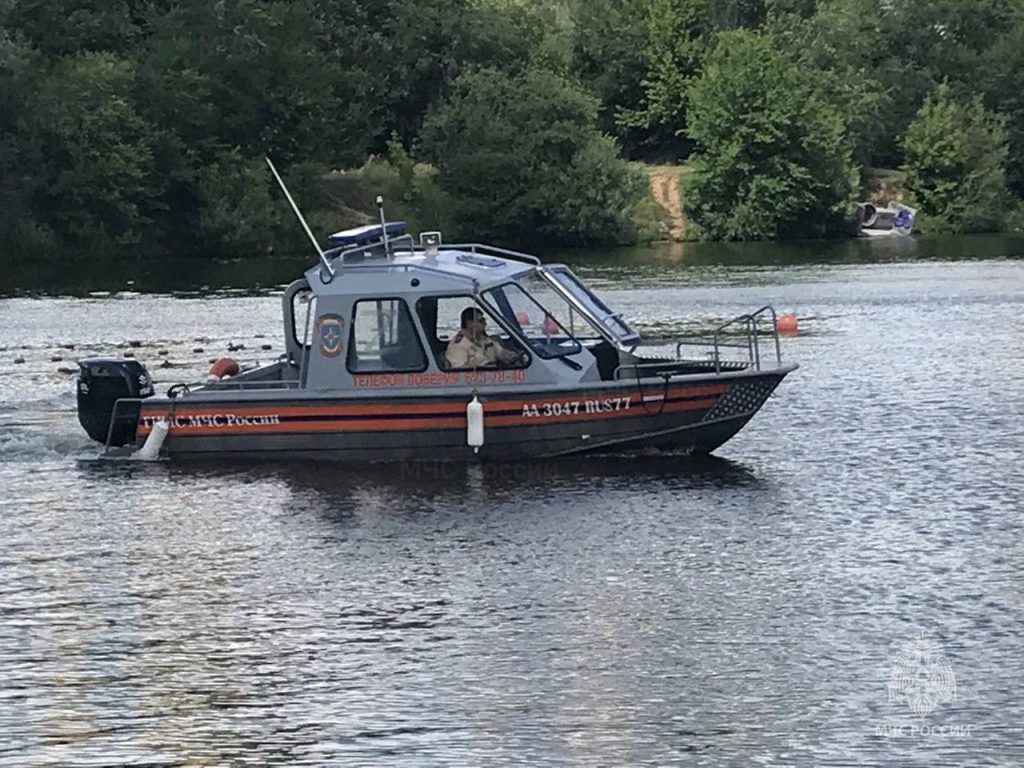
{"x": 365, "y": 375}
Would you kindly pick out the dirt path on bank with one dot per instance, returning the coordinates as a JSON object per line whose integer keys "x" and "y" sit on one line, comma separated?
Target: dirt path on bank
{"x": 665, "y": 188}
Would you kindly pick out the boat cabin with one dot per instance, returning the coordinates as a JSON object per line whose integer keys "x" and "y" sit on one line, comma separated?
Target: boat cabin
{"x": 379, "y": 311}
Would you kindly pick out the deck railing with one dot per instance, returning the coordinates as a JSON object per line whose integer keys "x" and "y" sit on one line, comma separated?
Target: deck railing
{"x": 751, "y": 325}
{"x": 748, "y": 327}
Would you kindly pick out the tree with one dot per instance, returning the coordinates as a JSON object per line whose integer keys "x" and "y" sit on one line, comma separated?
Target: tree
{"x": 18, "y": 63}
{"x": 78, "y": 26}
{"x": 608, "y": 57}
{"x": 842, "y": 42}
{"x": 405, "y": 54}
{"x": 229, "y": 84}
{"x": 1002, "y": 82}
{"x": 239, "y": 205}
{"x": 935, "y": 41}
{"x": 248, "y": 75}
{"x": 516, "y": 152}
{"x": 596, "y": 199}
{"x": 673, "y": 48}
{"x": 90, "y": 152}
{"x": 955, "y": 164}
{"x": 773, "y": 158}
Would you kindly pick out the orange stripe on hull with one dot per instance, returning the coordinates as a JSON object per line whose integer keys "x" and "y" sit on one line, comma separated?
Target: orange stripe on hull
{"x": 377, "y": 424}
{"x": 304, "y": 410}
{"x": 377, "y": 409}
{"x": 354, "y": 425}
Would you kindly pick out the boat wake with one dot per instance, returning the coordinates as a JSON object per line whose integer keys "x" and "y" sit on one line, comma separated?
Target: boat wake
{"x": 34, "y": 441}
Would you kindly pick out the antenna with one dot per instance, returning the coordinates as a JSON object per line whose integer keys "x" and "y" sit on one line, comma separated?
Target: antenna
{"x": 383, "y": 225}
{"x": 305, "y": 226}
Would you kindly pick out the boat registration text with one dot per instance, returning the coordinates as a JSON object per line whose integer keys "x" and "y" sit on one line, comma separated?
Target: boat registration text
{"x": 574, "y": 407}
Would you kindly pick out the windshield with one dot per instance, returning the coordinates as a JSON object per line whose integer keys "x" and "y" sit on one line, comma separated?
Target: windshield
{"x": 542, "y": 318}
{"x": 610, "y": 320}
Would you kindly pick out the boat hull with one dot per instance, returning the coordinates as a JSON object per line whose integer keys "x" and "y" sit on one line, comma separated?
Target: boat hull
{"x": 695, "y": 415}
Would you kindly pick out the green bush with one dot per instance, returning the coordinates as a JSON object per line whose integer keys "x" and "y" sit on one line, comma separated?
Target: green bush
{"x": 773, "y": 158}
{"x": 520, "y": 157}
{"x": 1015, "y": 219}
{"x": 653, "y": 223}
{"x": 955, "y": 161}
{"x": 240, "y": 204}
{"x": 90, "y": 154}
{"x": 352, "y": 197}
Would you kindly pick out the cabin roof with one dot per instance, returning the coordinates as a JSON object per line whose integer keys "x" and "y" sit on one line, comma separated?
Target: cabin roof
{"x": 454, "y": 268}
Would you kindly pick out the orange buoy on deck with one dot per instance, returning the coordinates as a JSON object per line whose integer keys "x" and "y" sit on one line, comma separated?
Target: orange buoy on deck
{"x": 224, "y": 366}
{"x": 787, "y": 325}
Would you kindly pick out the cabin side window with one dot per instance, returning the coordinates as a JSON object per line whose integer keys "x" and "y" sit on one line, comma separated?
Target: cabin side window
{"x": 303, "y": 316}
{"x": 441, "y": 318}
{"x": 384, "y": 339}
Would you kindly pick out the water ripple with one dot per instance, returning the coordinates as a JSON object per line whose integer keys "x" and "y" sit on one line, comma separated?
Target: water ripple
{"x": 627, "y": 610}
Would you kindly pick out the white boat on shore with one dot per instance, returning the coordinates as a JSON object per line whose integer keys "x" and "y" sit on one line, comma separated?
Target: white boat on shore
{"x": 896, "y": 219}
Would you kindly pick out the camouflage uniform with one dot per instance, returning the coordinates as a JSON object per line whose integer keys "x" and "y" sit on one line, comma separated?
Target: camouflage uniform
{"x": 464, "y": 352}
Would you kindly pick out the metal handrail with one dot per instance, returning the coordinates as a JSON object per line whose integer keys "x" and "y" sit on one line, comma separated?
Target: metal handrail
{"x": 307, "y": 345}
{"x": 751, "y": 325}
{"x": 638, "y": 368}
{"x": 247, "y": 385}
{"x": 341, "y": 252}
{"x": 474, "y": 247}
{"x": 755, "y": 330}
{"x": 751, "y": 330}
{"x": 408, "y": 245}
{"x": 388, "y": 266}
{"x": 745, "y": 320}
{"x": 110, "y": 426}
{"x": 704, "y": 343}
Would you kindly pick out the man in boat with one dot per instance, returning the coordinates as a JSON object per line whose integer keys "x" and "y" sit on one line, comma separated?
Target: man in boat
{"x": 472, "y": 347}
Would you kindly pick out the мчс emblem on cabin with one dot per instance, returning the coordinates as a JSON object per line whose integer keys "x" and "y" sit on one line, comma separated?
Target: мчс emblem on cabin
{"x": 329, "y": 331}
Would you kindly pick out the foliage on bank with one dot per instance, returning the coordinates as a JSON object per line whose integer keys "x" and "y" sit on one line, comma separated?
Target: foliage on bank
{"x": 772, "y": 158}
{"x": 521, "y": 156}
{"x": 955, "y": 163}
{"x": 142, "y": 124}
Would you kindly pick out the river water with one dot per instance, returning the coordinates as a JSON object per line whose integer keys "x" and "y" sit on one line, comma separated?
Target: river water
{"x": 840, "y": 586}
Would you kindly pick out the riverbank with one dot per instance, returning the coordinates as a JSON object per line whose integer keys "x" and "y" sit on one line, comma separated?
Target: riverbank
{"x": 412, "y": 194}
{"x": 881, "y": 186}
{"x": 347, "y": 198}
{"x": 198, "y": 276}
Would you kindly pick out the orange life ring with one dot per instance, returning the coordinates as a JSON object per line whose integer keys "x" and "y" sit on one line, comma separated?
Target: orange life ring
{"x": 225, "y": 366}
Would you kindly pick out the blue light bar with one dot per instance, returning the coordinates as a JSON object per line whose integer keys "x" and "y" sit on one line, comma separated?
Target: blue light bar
{"x": 371, "y": 233}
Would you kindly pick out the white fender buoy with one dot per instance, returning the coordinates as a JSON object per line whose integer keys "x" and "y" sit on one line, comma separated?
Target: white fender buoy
{"x": 475, "y": 424}
{"x": 150, "y": 450}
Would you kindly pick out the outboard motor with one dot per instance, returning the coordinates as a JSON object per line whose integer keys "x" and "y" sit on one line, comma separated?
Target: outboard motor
{"x": 102, "y": 381}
